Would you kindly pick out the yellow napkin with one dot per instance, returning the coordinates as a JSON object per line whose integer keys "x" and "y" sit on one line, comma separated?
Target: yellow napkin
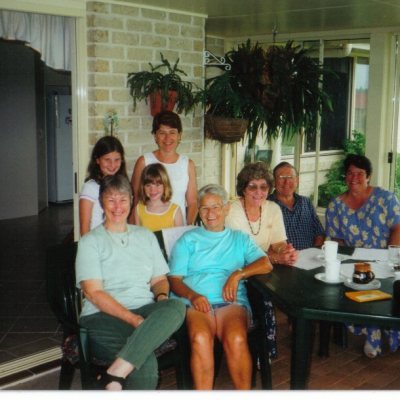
{"x": 368, "y": 295}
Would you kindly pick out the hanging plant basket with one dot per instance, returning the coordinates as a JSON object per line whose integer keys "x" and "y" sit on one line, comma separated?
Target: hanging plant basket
{"x": 278, "y": 91}
{"x": 156, "y": 104}
{"x": 226, "y": 130}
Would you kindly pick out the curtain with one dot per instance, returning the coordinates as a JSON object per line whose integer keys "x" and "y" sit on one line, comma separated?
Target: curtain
{"x": 47, "y": 34}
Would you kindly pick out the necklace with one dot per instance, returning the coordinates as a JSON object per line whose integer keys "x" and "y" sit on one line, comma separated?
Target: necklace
{"x": 123, "y": 238}
{"x": 248, "y": 220}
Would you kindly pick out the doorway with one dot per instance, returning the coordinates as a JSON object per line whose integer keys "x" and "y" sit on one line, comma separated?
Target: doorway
{"x": 25, "y": 84}
{"x": 32, "y": 224}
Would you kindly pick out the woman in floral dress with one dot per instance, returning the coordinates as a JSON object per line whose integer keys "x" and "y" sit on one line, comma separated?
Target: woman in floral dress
{"x": 369, "y": 217}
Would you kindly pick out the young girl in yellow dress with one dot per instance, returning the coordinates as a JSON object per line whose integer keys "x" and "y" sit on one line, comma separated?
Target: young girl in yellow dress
{"x": 154, "y": 210}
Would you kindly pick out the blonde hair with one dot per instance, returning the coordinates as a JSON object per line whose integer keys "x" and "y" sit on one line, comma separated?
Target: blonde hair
{"x": 155, "y": 173}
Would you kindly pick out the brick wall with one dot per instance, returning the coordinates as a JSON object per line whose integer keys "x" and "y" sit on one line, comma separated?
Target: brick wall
{"x": 123, "y": 39}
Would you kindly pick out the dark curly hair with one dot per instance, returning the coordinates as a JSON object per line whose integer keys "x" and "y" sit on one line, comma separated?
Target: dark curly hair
{"x": 167, "y": 118}
{"x": 361, "y": 162}
{"x": 105, "y": 145}
{"x": 257, "y": 170}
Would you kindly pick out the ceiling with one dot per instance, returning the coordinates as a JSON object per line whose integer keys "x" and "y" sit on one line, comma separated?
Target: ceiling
{"x": 249, "y": 18}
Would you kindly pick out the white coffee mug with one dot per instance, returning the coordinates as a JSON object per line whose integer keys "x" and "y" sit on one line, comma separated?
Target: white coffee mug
{"x": 330, "y": 248}
{"x": 332, "y": 270}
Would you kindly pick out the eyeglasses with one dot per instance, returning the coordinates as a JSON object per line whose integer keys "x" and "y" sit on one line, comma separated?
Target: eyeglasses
{"x": 217, "y": 208}
{"x": 290, "y": 178}
{"x": 253, "y": 187}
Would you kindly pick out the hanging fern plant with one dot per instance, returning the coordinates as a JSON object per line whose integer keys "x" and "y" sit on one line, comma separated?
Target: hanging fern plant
{"x": 278, "y": 91}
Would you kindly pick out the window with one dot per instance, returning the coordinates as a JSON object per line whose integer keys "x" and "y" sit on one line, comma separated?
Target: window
{"x": 350, "y": 61}
{"x": 335, "y": 126}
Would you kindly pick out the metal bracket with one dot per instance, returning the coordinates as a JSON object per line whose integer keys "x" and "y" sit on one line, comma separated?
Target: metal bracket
{"x": 210, "y": 60}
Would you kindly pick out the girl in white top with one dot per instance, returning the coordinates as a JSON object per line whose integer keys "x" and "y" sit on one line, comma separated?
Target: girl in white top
{"x": 167, "y": 132}
{"x": 107, "y": 159}
{"x": 155, "y": 211}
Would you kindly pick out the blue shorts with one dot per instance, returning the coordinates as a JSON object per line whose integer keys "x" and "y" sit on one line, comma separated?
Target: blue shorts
{"x": 215, "y": 307}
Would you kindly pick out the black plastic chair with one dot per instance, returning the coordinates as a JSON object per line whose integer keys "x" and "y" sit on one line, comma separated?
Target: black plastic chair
{"x": 65, "y": 300}
{"x": 257, "y": 337}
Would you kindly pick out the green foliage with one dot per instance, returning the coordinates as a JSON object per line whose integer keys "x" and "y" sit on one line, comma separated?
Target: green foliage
{"x": 276, "y": 90}
{"x": 143, "y": 83}
{"x": 397, "y": 181}
{"x": 336, "y": 176}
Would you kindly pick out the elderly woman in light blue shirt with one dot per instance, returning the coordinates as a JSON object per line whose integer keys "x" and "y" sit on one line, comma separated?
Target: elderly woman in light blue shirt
{"x": 207, "y": 269}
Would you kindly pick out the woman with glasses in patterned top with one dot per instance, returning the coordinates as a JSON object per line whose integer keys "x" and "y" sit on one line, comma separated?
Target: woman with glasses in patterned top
{"x": 260, "y": 218}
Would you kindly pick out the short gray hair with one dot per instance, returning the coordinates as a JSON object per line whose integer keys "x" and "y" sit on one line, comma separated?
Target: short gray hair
{"x": 216, "y": 190}
{"x": 115, "y": 183}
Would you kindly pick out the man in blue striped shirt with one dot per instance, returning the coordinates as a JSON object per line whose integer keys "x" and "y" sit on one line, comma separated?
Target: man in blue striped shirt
{"x": 303, "y": 227}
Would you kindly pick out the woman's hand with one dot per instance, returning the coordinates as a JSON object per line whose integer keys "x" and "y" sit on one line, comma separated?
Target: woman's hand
{"x": 94, "y": 292}
{"x": 200, "y": 303}
{"x": 136, "y": 320}
{"x": 283, "y": 253}
{"x": 231, "y": 285}
{"x": 288, "y": 255}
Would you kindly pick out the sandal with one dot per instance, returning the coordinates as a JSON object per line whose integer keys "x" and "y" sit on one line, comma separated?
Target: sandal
{"x": 105, "y": 378}
{"x": 369, "y": 351}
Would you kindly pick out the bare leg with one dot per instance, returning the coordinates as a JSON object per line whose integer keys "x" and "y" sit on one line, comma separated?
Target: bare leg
{"x": 202, "y": 329}
{"x": 232, "y": 325}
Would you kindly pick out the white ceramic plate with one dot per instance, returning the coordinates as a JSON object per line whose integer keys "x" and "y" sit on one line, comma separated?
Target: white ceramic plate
{"x": 321, "y": 277}
{"x": 340, "y": 257}
{"x": 375, "y": 284}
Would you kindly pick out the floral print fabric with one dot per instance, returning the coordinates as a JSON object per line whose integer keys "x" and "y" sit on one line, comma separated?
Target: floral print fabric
{"x": 367, "y": 227}
{"x": 374, "y": 336}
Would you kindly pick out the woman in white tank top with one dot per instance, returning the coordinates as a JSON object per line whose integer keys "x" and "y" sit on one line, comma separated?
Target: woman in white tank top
{"x": 167, "y": 132}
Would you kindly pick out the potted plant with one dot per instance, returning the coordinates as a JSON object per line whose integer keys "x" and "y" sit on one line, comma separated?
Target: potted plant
{"x": 164, "y": 89}
{"x": 276, "y": 90}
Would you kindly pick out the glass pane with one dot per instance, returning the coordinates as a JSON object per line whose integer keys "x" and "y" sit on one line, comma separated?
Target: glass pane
{"x": 361, "y": 101}
{"x": 335, "y": 125}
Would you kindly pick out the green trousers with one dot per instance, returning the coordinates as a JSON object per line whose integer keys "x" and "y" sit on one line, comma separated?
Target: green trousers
{"x": 110, "y": 337}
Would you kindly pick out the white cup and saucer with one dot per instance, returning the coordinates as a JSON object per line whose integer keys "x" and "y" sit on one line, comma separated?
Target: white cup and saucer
{"x": 332, "y": 264}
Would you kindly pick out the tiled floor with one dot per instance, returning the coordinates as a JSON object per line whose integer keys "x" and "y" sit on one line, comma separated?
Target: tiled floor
{"x": 345, "y": 369}
{"x": 27, "y": 325}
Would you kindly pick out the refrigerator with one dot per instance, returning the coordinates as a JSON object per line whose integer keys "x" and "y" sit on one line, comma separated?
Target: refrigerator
{"x": 59, "y": 148}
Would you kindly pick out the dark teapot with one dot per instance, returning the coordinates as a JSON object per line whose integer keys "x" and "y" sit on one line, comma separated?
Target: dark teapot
{"x": 362, "y": 273}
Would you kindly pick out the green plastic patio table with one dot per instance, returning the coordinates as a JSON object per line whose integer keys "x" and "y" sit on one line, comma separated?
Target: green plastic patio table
{"x": 297, "y": 293}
